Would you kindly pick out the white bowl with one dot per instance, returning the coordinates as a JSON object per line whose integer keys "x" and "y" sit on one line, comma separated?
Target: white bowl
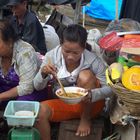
{"x": 73, "y": 90}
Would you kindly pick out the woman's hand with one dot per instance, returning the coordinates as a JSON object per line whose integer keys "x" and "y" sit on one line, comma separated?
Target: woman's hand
{"x": 88, "y": 97}
{"x": 48, "y": 69}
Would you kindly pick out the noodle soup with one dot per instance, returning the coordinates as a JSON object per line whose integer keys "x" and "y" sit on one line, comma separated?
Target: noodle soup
{"x": 70, "y": 95}
{"x": 74, "y": 94}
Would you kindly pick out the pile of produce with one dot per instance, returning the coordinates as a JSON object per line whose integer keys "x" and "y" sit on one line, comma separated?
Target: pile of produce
{"x": 123, "y": 75}
{"x": 129, "y": 77}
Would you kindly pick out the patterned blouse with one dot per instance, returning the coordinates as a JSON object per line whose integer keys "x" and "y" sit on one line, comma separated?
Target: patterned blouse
{"x": 24, "y": 67}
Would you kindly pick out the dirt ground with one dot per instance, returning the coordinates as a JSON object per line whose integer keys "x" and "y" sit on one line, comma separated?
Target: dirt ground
{"x": 90, "y": 23}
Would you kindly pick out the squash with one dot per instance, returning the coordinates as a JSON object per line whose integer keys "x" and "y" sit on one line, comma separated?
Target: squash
{"x": 115, "y": 71}
{"x": 131, "y": 78}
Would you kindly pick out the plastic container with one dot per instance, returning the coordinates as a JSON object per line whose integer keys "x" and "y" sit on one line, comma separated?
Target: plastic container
{"x": 15, "y": 106}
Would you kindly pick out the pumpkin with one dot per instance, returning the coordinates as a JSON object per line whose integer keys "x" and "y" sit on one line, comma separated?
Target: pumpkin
{"x": 131, "y": 78}
{"x": 115, "y": 71}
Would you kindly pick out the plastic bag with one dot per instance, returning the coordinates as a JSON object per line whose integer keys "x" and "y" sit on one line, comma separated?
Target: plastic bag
{"x": 110, "y": 44}
{"x": 59, "y": 22}
{"x": 92, "y": 38}
{"x": 123, "y": 25}
{"x": 51, "y": 37}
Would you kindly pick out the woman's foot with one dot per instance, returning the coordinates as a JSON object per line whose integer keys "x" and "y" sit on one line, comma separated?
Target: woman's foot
{"x": 84, "y": 128}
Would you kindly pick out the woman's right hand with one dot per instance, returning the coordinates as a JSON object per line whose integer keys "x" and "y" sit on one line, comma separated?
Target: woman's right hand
{"x": 48, "y": 69}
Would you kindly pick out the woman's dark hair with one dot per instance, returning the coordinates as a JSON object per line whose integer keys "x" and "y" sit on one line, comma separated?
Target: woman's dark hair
{"x": 7, "y": 32}
{"x": 75, "y": 33}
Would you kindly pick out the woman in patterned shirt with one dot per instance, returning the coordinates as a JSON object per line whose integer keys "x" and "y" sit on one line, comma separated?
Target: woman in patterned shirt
{"x": 19, "y": 64}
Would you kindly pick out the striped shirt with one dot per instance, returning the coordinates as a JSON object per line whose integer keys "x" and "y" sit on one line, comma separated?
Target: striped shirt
{"x": 90, "y": 61}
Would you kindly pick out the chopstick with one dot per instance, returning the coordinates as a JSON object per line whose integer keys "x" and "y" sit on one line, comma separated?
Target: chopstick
{"x": 62, "y": 87}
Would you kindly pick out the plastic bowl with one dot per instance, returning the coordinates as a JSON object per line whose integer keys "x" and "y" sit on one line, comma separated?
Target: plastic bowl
{"x": 73, "y": 90}
{"x": 21, "y": 113}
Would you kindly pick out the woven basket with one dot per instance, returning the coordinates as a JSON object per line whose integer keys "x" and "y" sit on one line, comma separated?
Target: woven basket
{"x": 130, "y": 99}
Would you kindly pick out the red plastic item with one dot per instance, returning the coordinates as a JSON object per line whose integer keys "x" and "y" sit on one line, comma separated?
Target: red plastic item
{"x": 111, "y": 42}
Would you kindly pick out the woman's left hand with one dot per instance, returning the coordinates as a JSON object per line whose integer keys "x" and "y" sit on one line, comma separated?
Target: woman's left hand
{"x": 88, "y": 97}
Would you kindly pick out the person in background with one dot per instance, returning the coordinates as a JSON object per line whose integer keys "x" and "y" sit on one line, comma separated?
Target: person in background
{"x": 27, "y": 25}
{"x": 19, "y": 64}
{"x": 74, "y": 65}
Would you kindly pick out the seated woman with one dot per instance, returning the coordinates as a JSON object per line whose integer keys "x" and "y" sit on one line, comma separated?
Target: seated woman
{"x": 18, "y": 66}
{"x": 76, "y": 66}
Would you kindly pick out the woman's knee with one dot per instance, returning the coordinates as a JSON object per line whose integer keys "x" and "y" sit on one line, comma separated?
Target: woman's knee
{"x": 44, "y": 112}
{"x": 86, "y": 77}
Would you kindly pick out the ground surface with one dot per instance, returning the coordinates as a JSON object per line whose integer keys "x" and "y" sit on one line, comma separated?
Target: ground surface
{"x": 68, "y": 11}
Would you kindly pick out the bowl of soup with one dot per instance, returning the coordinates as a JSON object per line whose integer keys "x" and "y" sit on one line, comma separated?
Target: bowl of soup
{"x": 73, "y": 95}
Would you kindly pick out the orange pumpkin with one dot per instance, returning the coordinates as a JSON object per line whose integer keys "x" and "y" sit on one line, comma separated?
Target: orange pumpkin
{"x": 131, "y": 78}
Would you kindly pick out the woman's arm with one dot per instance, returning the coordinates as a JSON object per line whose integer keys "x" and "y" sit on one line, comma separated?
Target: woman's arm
{"x": 104, "y": 91}
{"x": 9, "y": 94}
{"x": 41, "y": 80}
{"x": 50, "y": 62}
{"x": 27, "y": 67}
